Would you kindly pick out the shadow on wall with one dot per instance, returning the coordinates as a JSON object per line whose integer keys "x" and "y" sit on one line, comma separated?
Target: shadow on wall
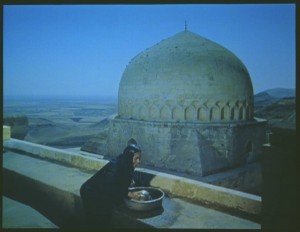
{"x": 60, "y": 207}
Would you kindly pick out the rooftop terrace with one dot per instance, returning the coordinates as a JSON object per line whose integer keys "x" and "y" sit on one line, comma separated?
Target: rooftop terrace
{"x": 48, "y": 180}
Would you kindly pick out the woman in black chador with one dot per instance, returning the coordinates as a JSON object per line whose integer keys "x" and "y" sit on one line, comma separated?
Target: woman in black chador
{"x": 108, "y": 187}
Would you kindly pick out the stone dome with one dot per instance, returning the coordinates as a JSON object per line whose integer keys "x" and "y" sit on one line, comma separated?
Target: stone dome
{"x": 186, "y": 78}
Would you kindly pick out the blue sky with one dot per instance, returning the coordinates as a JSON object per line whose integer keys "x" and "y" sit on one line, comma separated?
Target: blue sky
{"x": 83, "y": 49}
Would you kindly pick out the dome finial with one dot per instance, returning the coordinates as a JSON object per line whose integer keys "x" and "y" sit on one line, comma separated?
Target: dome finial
{"x": 185, "y": 26}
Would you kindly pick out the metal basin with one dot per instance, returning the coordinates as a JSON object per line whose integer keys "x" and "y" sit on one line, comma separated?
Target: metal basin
{"x": 156, "y": 194}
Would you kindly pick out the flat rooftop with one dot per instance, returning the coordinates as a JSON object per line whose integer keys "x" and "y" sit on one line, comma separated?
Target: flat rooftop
{"x": 62, "y": 182}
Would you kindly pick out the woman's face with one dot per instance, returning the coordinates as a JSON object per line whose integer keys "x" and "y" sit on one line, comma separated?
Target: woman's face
{"x": 136, "y": 159}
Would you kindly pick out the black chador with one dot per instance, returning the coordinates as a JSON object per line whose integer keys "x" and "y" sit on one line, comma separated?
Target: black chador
{"x": 107, "y": 188}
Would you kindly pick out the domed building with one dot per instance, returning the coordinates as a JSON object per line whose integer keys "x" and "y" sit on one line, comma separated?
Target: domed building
{"x": 189, "y": 104}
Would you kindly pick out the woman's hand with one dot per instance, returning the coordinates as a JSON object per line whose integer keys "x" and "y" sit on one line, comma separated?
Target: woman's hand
{"x": 134, "y": 195}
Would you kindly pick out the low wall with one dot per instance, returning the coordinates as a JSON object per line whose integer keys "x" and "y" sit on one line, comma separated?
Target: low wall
{"x": 195, "y": 191}
{"x": 207, "y": 194}
{"x": 6, "y": 133}
{"x": 66, "y": 157}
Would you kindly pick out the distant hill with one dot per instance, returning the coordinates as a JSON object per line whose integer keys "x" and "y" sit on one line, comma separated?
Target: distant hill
{"x": 270, "y": 96}
{"x": 278, "y": 106}
{"x": 281, "y": 92}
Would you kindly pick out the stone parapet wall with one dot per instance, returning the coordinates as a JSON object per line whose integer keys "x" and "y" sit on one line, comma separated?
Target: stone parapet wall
{"x": 196, "y": 191}
{"x": 6, "y": 133}
{"x": 53, "y": 190}
{"x": 208, "y": 194}
{"x": 63, "y": 156}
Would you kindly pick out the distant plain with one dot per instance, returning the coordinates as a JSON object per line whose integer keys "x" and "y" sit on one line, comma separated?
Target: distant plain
{"x": 61, "y": 122}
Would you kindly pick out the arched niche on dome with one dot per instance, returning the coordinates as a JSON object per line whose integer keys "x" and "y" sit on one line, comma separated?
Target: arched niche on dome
{"x": 190, "y": 113}
{"x": 143, "y": 112}
{"x": 202, "y": 114}
{"x": 234, "y": 113}
{"x": 214, "y": 114}
{"x": 242, "y": 113}
{"x": 153, "y": 112}
{"x": 225, "y": 113}
{"x": 165, "y": 113}
{"x": 177, "y": 113}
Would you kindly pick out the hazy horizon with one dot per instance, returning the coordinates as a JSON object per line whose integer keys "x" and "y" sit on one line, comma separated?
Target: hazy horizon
{"x": 54, "y": 96}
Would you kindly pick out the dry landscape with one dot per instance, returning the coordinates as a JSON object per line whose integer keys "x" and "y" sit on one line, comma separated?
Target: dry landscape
{"x": 60, "y": 123}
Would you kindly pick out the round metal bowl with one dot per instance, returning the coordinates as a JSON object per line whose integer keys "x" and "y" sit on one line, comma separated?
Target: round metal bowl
{"x": 156, "y": 194}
